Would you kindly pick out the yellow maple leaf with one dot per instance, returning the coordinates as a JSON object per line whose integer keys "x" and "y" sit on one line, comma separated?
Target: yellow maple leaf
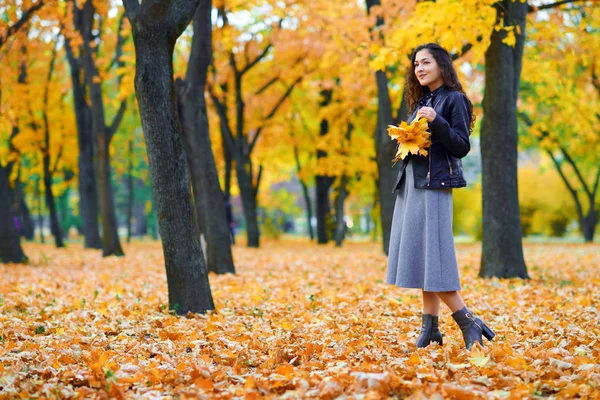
{"x": 412, "y": 138}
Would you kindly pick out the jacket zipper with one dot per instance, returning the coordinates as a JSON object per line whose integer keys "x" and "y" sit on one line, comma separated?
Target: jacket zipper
{"x": 449, "y": 165}
{"x": 429, "y": 171}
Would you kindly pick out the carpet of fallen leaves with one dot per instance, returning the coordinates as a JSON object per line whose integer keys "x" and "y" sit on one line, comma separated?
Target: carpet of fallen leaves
{"x": 297, "y": 321}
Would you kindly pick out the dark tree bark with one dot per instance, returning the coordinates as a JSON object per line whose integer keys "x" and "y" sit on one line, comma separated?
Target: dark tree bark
{"x": 88, "y": 193}
{"x": 130, "y": 188}
{"x": 10, "y": 241}
{"x": 208, "y": 197}
{"x": 323, "y": 182}
{"x": 502, "y": 248}
{"x": 228, "y": 159}
{"x": 48, "y": 171}
{"x": 307, "y": 200}
{"x": 156, "y": 25}
{"x": 27, "y": 228}
{"x": 40, "y": 216}
{"x": 385, "y": 148}
{"x": 103, "y": 134}
{"x": 340, "y": 228}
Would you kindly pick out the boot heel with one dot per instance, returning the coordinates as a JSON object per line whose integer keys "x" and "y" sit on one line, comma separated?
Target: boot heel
{"x": 487, "y": 332}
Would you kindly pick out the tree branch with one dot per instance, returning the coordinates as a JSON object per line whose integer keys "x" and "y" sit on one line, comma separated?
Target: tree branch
{"x": 222, "y": 115}
{"x": 568, "y": 184}
{"x": 112, "y": 129}
{"x": 22, "y": 21}
{"x": 551, "y": 5}
{"x": 256, "y": 60}
{"x": 119, "y": 48}
{"x": 255, "y": 188}
{"x": 273, "y": 111}
{"x": 266, "y": 86}
{"x": 577, "y": 172}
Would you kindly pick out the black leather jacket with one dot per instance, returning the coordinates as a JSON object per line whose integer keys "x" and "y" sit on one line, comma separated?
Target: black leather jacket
{"x": 442, "y": 167}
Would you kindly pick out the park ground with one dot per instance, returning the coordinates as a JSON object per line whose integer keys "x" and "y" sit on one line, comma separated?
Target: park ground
{"x": 297, "y": 321}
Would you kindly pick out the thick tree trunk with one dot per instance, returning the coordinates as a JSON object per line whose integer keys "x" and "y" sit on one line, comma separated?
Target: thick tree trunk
{"x": 322, "y": 182}
{"x": 588, "y": 225}
{"x": 154, "y": 37}
{"x": 502, "y": 248}
{"x": 88, "y": 195}
{"x": 22, "y": 211}
{"x": 10, "y": 241}
{"x": 208, "y": 197}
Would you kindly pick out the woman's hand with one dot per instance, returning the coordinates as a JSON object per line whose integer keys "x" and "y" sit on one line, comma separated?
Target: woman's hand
{"x": 426, "y": 112}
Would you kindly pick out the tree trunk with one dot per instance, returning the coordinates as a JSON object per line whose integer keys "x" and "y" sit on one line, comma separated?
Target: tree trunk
{"x": 502, "y": 248}
{"x": 88, "y": 195}
{"x": 51, "y": 204}
{"x": 208, "y": 197}
{"x": 385, "y": 148}
{"x": 307, "y": 201}
{"x": 110, "y": 236}
{"x": 156, "y": 26}
{"x": 248, "y": 195}
{"x": 130, "y": 190}
{"x": 22, "y": 211}
{"x": 322, "y": 182}
{"x": 140, "y": 226}
{"x": 228, "y": 159}
{"x": 588, "y": 225}
{"x": 340, "y": 229}
{"x": 10, "y": 241}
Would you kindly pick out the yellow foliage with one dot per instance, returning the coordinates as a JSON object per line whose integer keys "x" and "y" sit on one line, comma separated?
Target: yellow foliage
{"x": 412, "y": 138}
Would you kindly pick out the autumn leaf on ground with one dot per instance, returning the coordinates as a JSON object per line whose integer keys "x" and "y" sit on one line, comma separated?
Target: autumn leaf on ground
{"x": 88, "y": 327}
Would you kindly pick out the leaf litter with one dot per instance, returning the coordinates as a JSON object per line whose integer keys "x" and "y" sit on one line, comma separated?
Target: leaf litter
{"x": 296, "y": 321}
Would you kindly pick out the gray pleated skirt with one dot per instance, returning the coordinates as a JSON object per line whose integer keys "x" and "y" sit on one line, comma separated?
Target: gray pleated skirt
{"x": 421, "y": 253}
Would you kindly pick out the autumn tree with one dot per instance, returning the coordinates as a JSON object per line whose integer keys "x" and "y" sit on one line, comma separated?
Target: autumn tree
{"x": 156, "y": 25}
{"x": 10, "y": 243}
{"x": 248, "y": 87}
{"x": 561, "y": 106}
{"x": 85, "y": 22}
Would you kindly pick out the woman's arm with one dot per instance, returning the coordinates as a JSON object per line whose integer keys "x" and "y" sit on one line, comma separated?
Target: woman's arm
{"x": 454, "y": 136}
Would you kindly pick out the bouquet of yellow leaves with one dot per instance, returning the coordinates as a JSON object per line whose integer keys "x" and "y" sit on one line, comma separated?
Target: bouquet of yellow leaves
{"x": 412, "y": 138}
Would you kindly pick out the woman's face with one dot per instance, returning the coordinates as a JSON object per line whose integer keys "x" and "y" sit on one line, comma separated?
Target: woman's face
{"x": 427, "y": 70}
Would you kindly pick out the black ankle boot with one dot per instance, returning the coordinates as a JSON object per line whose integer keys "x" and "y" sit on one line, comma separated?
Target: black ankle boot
{"x": 429, "y": 331}
{"x": 472, "y": 328}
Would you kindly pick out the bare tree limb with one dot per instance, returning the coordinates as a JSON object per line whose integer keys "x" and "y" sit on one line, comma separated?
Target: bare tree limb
{"x": 273, "y": 111}
{"x": 25, "y": 17}
{"x": 257, "y": 59}
{"x": 266, "y": 85}
{"x": 551, "y": 5}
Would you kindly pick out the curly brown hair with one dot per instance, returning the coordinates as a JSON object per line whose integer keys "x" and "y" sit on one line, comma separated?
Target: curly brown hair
{"x": 414, "y": 91}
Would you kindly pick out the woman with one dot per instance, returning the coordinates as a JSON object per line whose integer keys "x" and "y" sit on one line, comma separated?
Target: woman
{"x": 421, "y": 251}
